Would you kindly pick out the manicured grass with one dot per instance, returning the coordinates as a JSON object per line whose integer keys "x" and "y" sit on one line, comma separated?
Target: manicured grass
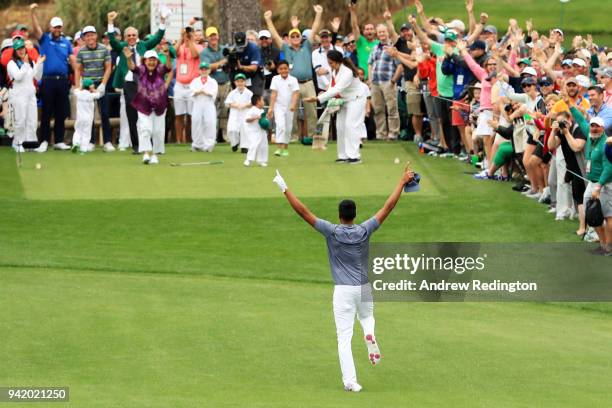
{"x": 579, "y": 16}
{"x": 209, "y": 291}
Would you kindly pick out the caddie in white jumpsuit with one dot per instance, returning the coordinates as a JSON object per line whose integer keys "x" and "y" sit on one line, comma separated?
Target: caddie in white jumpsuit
{"x": 85, "y": 110}
{"x": 349, "y": 120}
{"x": 22, "y": 94}
{"x": 238, "y": 101}
{"x": 347, "y": 250}
{"x": 204, "y": 90}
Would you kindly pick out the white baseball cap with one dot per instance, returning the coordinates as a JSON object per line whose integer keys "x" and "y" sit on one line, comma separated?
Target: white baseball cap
{"x": 88, "y": 29}
{"x": 583, "y": 81}
{"x": 529, "y": 71}
{"x": 457, "y": 25}
{"x": 579, "y": 61}
{"x": 597, "y": 121}
{"x": 56, "y": 22}
{"x": 264, "y": 33}
{"x": 6, "y": 43}
{"x": 150, "y": 54}
{"x": 77, "y": 36}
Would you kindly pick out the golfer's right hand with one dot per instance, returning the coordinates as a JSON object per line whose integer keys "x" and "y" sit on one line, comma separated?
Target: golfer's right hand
{"x": 408, "y": 175}
{"x": 280, "y": 182}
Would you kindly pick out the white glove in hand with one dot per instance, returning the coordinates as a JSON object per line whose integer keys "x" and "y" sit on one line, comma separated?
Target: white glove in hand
{"x": 101, "y": 88}
{"x": 280, "y": 182}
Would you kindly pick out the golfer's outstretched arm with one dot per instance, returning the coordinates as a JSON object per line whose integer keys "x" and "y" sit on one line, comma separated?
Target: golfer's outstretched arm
{"x": 300, "y": 208}
{"x": 384, "y": 212}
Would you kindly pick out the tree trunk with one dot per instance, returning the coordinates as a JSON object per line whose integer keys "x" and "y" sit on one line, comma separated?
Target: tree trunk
{"x": 238, "y": 15}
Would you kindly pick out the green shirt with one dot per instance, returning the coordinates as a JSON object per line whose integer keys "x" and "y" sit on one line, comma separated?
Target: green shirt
{"x": 93, "y": 61}
{"x": 211, "y": 56}
{"x": 601, "y": 168}
{"x": 445, "y": 82}
{"x": 364, "y": 48}
{"x": 300, "y": 60}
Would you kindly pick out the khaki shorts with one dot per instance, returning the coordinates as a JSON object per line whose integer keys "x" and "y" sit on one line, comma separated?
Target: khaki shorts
{"x": 413, "y": 98}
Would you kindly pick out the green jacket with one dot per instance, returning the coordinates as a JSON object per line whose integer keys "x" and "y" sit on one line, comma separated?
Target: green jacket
{"x": 601, "y": 168}
{"x": 142, "y": 46}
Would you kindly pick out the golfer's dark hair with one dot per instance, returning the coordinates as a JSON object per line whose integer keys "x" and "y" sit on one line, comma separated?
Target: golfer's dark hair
{"x": 338, "y": 57}
{"x": 282, "y": 62}
{"x": 255, "y": 98}
{"x": 347, "y": 210}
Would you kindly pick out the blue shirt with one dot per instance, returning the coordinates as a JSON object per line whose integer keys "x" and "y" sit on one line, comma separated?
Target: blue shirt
{"x": 57, "y": 51}
{"x": 348, "y": 248}
{"x": 604, "y": 112}
{"x": 251, "y": 56}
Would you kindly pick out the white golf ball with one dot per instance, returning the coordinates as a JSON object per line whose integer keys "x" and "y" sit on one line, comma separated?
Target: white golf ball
{"x": 38, "y": 166}
{"x": 396, "y": 161}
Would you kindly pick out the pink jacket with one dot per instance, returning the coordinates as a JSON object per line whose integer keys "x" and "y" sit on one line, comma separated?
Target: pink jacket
{"x": 480, "y": 73}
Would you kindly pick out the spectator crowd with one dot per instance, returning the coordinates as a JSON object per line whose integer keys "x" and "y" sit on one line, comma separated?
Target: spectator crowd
{"x": 517, "y": 103}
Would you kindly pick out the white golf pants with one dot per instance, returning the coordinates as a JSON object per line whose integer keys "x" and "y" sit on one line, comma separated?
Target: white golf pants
{"x": 124, "y": 127}
{"x": 151, "y": 127}
{"x": 348, "y": 303}
{"x": 349, "y": 122}
{"x": 283, "y": 118}
{"x": 204, "y": 123}
{"x": 258, "y": 147}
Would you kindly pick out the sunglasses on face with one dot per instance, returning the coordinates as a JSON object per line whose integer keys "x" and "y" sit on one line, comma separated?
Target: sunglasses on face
{"x": 527, "y": 86}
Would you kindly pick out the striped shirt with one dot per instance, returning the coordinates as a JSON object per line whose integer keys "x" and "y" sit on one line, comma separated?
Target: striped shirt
{"x": 383, "y": 65}
{"x": 93, "y": 61}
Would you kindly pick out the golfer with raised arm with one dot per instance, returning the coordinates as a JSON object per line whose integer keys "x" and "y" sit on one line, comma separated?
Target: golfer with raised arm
{"x": 347, "y": 248}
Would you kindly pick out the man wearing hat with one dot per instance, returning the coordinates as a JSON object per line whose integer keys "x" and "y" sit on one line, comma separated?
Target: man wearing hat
{"x": 213, "y": 55}
{"x": 123, "y": 78}
{"x": 93, "y": 62}
{"x": 299, "y": 55}
{"x": 270, "y": 55}
{"x": 249, "y": 63}
{"x": 55, "y": 85}
{"x": 319, "y": 60}
{"x": 579, "y": 67}
{"x": 572, "y": 89}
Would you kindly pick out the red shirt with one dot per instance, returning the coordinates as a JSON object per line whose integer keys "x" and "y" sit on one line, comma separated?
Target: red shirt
{"x": 427, "y": 70}
{"x": 7, "y": 54}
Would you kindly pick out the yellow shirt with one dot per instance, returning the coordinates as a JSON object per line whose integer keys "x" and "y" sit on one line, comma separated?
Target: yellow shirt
{"x": 561, "y": 106}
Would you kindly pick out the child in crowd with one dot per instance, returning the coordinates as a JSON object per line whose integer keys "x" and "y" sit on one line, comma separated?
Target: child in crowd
{"x": 85, "y": 110}
{"x": 239, "y": 101}
{"x": 283, "y": 102}
{"x": 204, "y": 90}
{"x": 255, "y": 129}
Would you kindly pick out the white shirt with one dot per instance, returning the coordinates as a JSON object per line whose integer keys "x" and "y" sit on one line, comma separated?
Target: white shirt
{"x": 211, "y": 86}
{"x": 235, "y": 96}
{"x": 319, "y": 60}
{"x": 23, "y": 77}
{"x": 285, "y": 88}
{"x": 364, "y": 90}
{"x": 345, "y": 86}
{"x": 252, "y": 128}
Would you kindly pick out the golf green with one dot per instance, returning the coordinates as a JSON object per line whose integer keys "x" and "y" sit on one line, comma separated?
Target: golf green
{"x": 157, "y": 286}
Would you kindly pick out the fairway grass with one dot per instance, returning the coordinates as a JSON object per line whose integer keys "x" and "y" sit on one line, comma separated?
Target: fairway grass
{"x": 198, "y": 286}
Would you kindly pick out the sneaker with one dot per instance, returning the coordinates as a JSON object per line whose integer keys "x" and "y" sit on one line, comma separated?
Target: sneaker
{"x": 234, "y": 148}
{"x": 527, "y": 192}
{"x": 562, "y": 216}
{"x": 373, "y": 350}
{"x": 591, "y": 236}
{"x": 354, "y": 161}
{"x": 341, "y": 160}
{"x": 122, "y": 148}
{"x": 352, "y": 387}
{"x": 263, "y": 164}
{"x": 483, "y": 175}
{"x": 154, "y": 159}
{"x": 418, "y": 139}
{"x": 247, "y": 163}
{"x": 108, "y": 147}
{"x": 74, "y": 148}
{"x": 277, "y": 152}
{"x": 432, "y": 154}
{"x": 19, "y": 149}
{"x": 545, "y": 195}
{"x": 61, "y": 146}
{"x": 552, "y": 210}
{"x": 285, "y": 153}
{"x": 42, "y": 148}
{"x": 145, "y": 158}
{"x": 536, "y": 195}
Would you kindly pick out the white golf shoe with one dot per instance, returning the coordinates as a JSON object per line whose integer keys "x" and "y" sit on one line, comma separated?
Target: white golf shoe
{"x": 154, "y": 159}
{"x": 42, "y": 148}
{"x": 352, "y": 387}
{"x": 108, "y": 147}
{"x": 61, "y": 146}
{"x": 247, "y": 163}
{"x": 373, "y": 350}
{"x": 145, "y": 158}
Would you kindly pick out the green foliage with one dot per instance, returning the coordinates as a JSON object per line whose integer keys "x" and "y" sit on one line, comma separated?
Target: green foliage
{"x": 79, "y": 13}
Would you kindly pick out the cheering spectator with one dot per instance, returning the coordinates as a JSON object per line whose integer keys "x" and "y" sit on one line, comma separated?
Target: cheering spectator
{"x": 151, "y": 102}
{"x": 55, "y": 85}
{"x": 93, "y": 62}
{"x": 364, "y": 41}
{"x": 213, "y": 55}
{"x": 298, "y": 54}
{"x": 124, "y": 78}
{"x": 187, "y": 68}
